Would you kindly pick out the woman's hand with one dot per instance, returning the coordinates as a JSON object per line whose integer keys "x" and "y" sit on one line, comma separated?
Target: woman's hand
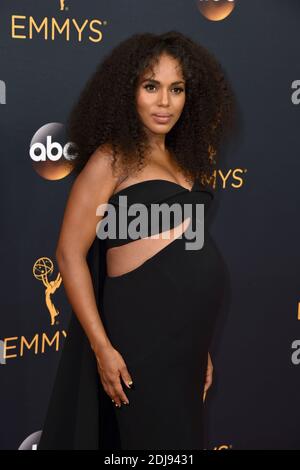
{"x": 209, "y": 376}
{"x": 111, "y": 366}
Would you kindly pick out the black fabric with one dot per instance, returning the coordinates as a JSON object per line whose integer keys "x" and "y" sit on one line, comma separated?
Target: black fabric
{"x": 160, "y": 316}
{"x": 164, "y": 191}
{"x": 79, "y": 414}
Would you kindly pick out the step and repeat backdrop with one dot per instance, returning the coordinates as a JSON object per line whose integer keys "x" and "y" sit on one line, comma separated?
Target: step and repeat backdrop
{"x": 48, "y": 50}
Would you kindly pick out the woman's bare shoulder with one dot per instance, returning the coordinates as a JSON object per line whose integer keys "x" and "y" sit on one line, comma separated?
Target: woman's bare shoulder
{"x": 101, "y": 164}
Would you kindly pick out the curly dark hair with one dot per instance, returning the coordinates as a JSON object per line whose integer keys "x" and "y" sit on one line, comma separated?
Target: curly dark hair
{"x": 105, "y": 112}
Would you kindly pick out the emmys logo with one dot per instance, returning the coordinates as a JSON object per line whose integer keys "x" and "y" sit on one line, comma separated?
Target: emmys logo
{"x": 42, "y": 268}
{"x": 52, "y": 157}
{"x": 232, "y": 177}
{"x": 13, "y": 347}
{"x": 27, "y": 27}
{"x": 2, "y": 92}
{"x": 216, "y": 10}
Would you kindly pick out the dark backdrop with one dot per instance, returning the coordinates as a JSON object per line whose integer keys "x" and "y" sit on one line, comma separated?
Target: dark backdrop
{"x": 254, "y": 401}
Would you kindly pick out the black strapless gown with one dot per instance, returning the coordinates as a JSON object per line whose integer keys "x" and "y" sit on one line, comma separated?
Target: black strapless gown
{"x": 160, "y": 316}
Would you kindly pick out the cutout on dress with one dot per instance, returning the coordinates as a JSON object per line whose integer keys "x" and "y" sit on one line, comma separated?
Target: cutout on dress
{"x": 131, "y": 256}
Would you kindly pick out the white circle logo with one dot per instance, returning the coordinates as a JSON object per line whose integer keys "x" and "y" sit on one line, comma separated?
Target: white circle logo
{"x": 52, "y": 157}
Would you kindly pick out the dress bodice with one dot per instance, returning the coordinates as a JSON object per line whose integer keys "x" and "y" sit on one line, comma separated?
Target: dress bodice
{"x": 125, "y": 206}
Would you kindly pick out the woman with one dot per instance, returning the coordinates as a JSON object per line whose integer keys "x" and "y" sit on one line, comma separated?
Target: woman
{"x": 146, "y": 126}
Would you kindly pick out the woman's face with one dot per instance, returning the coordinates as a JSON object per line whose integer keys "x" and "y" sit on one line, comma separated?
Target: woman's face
{"x": 161, "y": 97}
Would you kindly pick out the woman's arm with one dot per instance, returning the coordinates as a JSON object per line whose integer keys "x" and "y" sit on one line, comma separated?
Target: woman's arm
{"x": 93, "y": 186}
{"x": 209, "y": 376}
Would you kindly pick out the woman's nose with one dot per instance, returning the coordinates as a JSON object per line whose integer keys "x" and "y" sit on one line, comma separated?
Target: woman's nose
{"x": 163, "y": 97}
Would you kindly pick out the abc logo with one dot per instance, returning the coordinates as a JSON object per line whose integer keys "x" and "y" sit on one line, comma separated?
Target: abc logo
{"x": 52, "y": 157}
{"x": 216, "y": 10}
{"x": 53, "y": 150}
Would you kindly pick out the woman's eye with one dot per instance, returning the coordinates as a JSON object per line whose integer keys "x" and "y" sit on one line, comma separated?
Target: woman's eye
{"x": 149, "y": 84}
{"x": 176, "y": 88}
